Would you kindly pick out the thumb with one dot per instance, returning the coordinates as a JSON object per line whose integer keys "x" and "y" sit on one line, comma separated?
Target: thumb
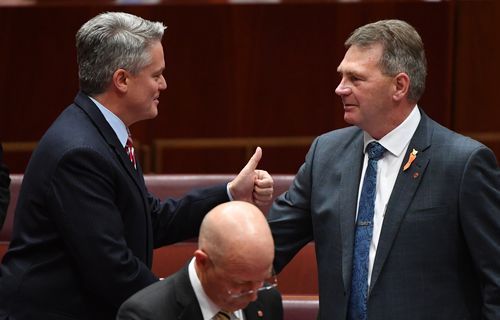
{"x": 254, "y": 161}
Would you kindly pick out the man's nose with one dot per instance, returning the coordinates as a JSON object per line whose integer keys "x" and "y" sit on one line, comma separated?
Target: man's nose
{"x": 163, "y": 83}
{"x": 342, "y": 89}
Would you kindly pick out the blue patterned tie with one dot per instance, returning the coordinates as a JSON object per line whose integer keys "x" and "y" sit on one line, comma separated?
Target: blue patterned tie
{"x": 363, "y": 236}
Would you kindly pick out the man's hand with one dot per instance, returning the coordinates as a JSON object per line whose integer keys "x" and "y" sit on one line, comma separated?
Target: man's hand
{"x": 252, "y": 185}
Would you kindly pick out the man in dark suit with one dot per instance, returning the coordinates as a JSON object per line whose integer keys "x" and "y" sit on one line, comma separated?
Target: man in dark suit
{"x": 4, "y": 189}
{"x": 230, "y": 272}
{"x": 85, "y": 224}
{"x": 430, "y": 247}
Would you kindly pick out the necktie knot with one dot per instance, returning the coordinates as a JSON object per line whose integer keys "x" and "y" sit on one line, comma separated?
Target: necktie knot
{"x": 130, "y": 142}
{"x": 375, "y": 150}
{"x": 129, "y": 147}
{"x": 222, "y": 315}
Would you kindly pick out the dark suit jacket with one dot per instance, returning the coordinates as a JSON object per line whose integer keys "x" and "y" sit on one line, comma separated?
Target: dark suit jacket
{"x": 174, "y": 298}
{"x": 85, "y": 225}
{"x": 438, "y": 256}
{"x": 4, "y": 188}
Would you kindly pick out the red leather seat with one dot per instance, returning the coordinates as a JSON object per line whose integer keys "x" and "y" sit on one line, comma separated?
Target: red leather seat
{"x": 300, "y": 307}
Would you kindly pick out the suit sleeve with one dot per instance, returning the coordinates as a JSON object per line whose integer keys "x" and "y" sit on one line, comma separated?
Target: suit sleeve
{"x": 178, "y": 219}
{"x": 290, "y": 215}
{"x": 480, "y": 216}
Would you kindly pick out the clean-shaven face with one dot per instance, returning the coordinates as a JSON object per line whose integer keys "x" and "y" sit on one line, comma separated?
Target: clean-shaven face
{"x": 365, "y": 91}
{"x": 144, "y": 87}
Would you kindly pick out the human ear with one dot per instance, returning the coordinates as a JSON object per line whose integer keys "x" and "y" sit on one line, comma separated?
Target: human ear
{"x": 202, "y": 259}
{"x": 401, "y": 85}
{"x": 120, "y": 80}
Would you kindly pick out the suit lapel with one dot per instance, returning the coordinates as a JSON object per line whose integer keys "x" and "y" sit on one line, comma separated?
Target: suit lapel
{"x": 349, "y": 186}
{"x": 403, "y": 192}
{"x": 109, "y": 135}
{"x": 186, "y": 298}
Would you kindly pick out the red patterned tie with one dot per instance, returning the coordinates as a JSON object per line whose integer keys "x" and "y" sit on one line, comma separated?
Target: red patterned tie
{"x": 129, "y": 147}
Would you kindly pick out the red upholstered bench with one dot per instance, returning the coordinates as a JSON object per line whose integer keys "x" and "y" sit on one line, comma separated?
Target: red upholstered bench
{"x": 15, "y": 185}
{"x": 302, "y": 307}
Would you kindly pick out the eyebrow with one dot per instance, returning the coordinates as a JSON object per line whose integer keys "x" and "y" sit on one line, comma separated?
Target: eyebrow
{"x": 159, "y": 71}
{"x": 349, "y": 73}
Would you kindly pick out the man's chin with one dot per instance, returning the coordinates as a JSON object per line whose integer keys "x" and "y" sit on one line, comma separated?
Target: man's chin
{"x": 237, "y": 305}
{"x": 152, "y": 113}
{"x": 348, "y": 117}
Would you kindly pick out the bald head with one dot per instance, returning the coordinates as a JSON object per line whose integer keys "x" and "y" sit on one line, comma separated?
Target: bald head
{"x": 236, "y": 230}
{"x": 235, "y": 254}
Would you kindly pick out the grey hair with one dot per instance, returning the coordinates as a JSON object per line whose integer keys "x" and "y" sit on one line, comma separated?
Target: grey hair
{"x": 403, "y": 51}
{"x": 112, "y": 41}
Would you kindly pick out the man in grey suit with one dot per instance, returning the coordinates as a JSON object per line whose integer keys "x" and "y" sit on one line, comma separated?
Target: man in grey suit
{"x": 230, "y": 276}
{"x": 434, "y": 231}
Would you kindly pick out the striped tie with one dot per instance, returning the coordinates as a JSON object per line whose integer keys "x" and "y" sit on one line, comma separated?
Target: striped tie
{"x": 222, "y": 315}
{"x": 129, "y": 147}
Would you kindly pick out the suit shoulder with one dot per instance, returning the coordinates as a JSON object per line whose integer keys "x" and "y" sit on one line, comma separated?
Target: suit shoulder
{"x": 71, "y": 131}
{"x": 341, "y": 134}
{"x": 446, "y": 138}
{"x": 151, "y": 294}
{"x": 339, "y": 139}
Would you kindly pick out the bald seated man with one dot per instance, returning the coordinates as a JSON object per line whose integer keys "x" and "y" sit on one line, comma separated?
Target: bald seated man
{"x": 229, "y": 277}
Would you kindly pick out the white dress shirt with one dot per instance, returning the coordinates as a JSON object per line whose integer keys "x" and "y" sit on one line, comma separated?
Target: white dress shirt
{"x": 208, "y": 308}
{"x": 396, "y": 142}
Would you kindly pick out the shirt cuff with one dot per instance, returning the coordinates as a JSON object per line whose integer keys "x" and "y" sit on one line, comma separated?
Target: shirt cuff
{"x": 229, "y": 193}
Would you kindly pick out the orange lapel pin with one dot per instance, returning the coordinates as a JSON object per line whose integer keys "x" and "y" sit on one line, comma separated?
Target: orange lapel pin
{"x": 411, "y": 158}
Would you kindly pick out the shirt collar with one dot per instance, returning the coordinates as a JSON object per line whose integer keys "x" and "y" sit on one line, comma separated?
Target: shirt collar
{"x": 116, "y": 123}
{"x": 398, "y": 139}
{"x": 208, "y": 308}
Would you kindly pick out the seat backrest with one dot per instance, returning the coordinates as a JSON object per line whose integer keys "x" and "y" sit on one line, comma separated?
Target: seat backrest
{"x": 161, "y": 185}
{"x": 15, "y": 186}
{"x": 300, "y": 307}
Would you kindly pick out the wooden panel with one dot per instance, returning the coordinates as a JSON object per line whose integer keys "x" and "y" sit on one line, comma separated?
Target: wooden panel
{"x": 233, "y": 70}
{"x": 202, "y": 154}
{"x": 476, "y": 71}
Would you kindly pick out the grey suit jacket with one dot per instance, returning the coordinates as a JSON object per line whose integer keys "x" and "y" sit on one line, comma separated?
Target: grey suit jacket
{"x": 438, "y": 256}
{"x": 174, "y": 298}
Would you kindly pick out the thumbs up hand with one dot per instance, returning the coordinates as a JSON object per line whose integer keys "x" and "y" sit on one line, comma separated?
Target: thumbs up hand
{"x": 252, "y": 185}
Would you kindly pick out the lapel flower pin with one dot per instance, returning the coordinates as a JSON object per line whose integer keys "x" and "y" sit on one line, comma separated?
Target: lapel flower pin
{"x": 411, "y": 158}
